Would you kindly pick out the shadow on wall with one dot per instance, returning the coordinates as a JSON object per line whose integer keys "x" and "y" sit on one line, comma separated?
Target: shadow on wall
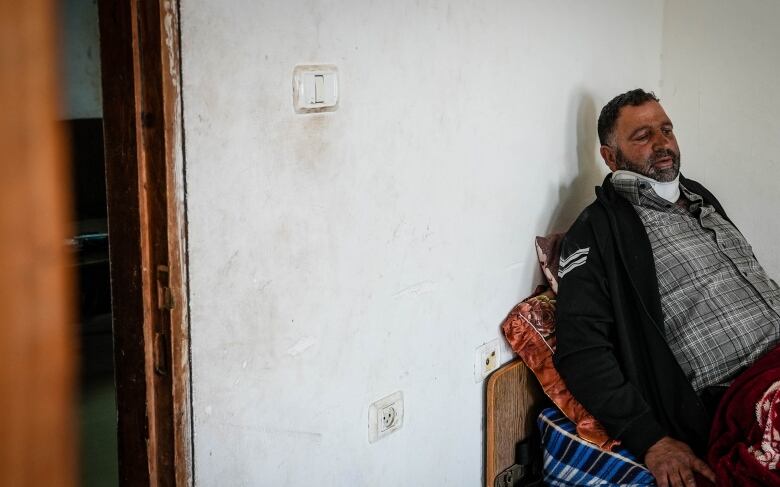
{"x": 575, "y": 195}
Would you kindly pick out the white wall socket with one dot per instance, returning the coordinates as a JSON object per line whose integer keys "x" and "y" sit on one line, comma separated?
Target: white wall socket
{"x": 385, "y": 416}
{"x": 487, "y": 358}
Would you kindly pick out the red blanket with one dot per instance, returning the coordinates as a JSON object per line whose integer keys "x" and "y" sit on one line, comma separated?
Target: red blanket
{"x": 744, "y": 446}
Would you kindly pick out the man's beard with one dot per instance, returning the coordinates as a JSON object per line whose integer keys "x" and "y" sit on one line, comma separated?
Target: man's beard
{"x": 647, "y": 167}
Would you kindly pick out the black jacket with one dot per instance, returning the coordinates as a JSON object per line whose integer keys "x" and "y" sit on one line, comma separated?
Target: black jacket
{"x": 612, "y": 352}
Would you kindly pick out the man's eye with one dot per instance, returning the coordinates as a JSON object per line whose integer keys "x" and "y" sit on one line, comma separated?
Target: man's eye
{"x": 643, "y": 136}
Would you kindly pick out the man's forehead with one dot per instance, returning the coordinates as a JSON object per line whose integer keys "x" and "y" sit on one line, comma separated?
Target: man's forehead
{"x": 649, "y": 113}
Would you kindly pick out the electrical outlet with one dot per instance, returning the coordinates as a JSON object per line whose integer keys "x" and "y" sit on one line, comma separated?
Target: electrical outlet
{"x": 388, "y": 417}
{"x": 385, "y": 416}
{"x": 487, "y": 358}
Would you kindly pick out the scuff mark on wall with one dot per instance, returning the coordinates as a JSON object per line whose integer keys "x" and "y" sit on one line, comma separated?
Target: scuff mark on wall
{"x": 417, "y": 289}
{"x": 515, "y": 265}
{"x": 301, "y": 346}
{"x": 298, "y": 434}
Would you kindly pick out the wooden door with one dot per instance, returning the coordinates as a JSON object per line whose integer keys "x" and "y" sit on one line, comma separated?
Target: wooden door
{"x": 37, "y": 326}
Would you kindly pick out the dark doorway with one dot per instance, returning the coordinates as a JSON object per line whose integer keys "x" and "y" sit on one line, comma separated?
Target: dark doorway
{"x": 81, "y": 113}
{"x": 97, "y": 392}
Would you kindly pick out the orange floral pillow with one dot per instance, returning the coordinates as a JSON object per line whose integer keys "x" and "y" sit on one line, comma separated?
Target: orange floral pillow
{"x": 530, "y": 330}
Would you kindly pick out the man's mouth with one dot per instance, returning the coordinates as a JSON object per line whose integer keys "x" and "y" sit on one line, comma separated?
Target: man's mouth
{"x": 664, "y": 162}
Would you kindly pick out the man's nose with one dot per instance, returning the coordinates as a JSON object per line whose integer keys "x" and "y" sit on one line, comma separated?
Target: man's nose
{"x": 661, "y": 141}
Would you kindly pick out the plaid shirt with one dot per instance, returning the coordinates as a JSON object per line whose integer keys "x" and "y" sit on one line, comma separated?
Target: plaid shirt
{"x": 721, "y": 310}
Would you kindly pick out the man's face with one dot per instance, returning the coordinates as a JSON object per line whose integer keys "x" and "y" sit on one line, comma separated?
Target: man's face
{"x": 644, "y": 142}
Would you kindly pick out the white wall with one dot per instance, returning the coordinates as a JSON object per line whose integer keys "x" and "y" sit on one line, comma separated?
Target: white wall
{"x": 720, "y": 71}
{"x": 337, "y": 258}
{"x": 80, "y": 54}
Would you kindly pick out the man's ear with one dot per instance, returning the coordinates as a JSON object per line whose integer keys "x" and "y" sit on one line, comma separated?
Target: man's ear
{"x": 608, "y": 154}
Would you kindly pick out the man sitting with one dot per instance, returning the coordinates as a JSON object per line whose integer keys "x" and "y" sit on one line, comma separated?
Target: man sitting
{"x": 661, "y": 301}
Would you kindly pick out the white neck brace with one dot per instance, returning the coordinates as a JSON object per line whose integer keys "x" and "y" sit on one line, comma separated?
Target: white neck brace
{"x": 669, "y": 191}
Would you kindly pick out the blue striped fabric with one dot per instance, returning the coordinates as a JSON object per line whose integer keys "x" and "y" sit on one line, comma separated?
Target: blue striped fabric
{"x": 570, "y": 460}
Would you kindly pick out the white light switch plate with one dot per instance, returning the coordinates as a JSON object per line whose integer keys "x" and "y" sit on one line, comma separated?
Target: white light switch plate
{"x": 315, "y": 88}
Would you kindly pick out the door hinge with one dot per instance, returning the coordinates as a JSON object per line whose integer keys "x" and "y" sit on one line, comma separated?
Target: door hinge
{"x": 162, "y": 342}
{"x": 164, "y": 295}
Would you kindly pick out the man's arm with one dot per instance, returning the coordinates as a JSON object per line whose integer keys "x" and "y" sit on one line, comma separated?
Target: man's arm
{"x": 585, "y": 355}
{"x": 585, "y": 358}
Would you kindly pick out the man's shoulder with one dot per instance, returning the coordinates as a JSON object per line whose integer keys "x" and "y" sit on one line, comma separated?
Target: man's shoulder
{"x": 583, "y": 238}
{"x": 592, "y": 219}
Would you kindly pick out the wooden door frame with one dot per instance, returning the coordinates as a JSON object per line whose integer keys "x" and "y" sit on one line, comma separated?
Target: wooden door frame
{"x": 143, "y": 136}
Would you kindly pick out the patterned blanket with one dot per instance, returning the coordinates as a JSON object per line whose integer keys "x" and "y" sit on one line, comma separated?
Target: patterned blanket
{"x": 570, "y": 460}
{"x": 745, "y": 437}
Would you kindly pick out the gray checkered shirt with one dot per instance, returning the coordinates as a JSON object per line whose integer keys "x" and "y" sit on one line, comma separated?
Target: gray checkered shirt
{"x": 721, "y": 310}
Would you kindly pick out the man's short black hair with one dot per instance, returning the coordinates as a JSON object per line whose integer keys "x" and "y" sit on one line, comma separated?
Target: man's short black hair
{"x": 610, "y": 112}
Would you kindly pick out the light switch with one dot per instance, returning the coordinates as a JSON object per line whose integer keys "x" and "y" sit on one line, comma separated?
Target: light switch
{"x": 315, "y": 88}
{"x": 319, "y": 88}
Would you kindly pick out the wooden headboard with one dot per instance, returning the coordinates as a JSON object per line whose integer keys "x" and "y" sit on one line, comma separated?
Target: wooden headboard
{"x": 514, "y": 399}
